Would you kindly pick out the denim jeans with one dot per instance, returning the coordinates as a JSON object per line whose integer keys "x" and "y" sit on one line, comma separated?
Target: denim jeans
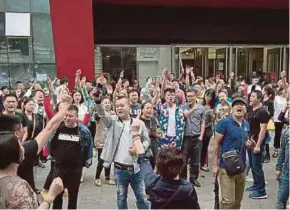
{"x": 256, "y": 165}
{"x": 123, "y": 178}
{"x": 283, "y": 193}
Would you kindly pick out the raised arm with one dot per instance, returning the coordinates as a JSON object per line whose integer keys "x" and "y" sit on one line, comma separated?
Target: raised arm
{"x": 53, "y": 124}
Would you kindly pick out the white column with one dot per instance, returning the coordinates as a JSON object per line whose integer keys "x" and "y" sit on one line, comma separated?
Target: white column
{"x": 284, "y": 59}
{"x": 265, "y": 60}
{"x": 236, "y": 61}
{"x": 231, "y": 64}
{"x": 226, "y": 64}
{"x": 98, "y": 61}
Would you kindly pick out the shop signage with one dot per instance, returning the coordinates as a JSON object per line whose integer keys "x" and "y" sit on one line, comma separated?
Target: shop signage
{"x": 147, "y": 54}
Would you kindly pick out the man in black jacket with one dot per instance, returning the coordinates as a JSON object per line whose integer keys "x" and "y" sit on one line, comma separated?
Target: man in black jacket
{"x": 167, "y": 190}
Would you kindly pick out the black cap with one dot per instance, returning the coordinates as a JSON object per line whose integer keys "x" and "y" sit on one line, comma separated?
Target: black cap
{"x": 240, "y": 99}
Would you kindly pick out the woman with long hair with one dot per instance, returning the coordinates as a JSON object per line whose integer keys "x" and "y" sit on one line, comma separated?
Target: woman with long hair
{"x": 268, "y": 102}
{"x": 279, "y": 104}
{"x": 99, "y": 140}
{"x": 209, "y": 104}
{"x": 84, "y": 113}
{"x": 25, "y": 169}
{"x": 15, "y": 192}
{"x": 147, "y": 116}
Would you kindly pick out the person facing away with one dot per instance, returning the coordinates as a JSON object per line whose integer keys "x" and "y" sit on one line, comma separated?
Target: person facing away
{"x": 165, "y": 189}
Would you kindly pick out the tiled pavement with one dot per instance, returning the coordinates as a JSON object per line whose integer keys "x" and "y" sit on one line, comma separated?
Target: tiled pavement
{"x": 93, "y": 197}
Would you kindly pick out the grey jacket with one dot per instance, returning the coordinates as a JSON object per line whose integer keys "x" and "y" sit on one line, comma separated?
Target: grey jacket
{"x": 115, "y": 130}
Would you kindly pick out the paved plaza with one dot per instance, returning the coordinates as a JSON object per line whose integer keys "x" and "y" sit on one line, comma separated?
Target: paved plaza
{"x": 93, "y": 197}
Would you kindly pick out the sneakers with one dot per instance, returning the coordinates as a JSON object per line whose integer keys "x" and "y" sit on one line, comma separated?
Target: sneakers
{"x": 267, "y": 159}
{"x": 258, "y": 195}
{"x": 196, "y": 183}
{"x": 249, "y": 179}
{"x": 204, "y": 168}
{"x": 251, "y": 188}
{"x": 41, "y": 164}
{"x": 98, "y": 182}
{"x": 109, "y": 182}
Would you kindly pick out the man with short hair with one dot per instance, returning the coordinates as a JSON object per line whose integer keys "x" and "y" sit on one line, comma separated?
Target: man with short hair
{"x": 10, "y": 103}
{"x": 63, "y": 85}
{"x": 19, "y": 89}
{"x": 254, "y": 85}
{"x": 72, "y": 149}
{"x": 193, "y": 134}
{"x": 258, "y": 117}
{"x": 33, "y": 147}
{"x": 135, "y": 107}
{"x": 119, "y": 148}
{"x": 232, "y": 133}
{"x": 171, "y": 120}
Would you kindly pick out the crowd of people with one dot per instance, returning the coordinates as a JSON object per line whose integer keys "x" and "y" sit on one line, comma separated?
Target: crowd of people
{"x": 152, "y": 136}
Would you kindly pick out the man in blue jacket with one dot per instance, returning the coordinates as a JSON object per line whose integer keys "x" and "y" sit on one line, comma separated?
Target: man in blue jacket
{"x": 72, "y": 149}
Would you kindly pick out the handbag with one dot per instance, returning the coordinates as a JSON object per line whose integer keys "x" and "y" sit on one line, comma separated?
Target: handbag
{"x": 234, "y": 163}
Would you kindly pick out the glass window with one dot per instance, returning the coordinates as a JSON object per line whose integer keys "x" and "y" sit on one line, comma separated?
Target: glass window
{"x": 42, "y": 71}
{"x": 2, "y": 5}
{"x": 3, "y": 50}
{"x": 40, "y": 6}
{"x": 21, "y": 72}
{"x": 2, "y": 23}
{"x": 116, "y": 59}
{"x": 20, "y": 50}
{"x": 18, "y": 5}
{"x": 4, "y": 75}
{"x": 42, "y": 38}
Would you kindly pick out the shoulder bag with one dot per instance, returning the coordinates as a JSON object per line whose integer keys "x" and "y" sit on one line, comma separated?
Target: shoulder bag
{"x": 234, "y": 163}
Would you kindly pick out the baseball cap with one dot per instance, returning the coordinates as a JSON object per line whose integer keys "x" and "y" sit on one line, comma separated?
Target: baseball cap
{"x": 240, "y": 99}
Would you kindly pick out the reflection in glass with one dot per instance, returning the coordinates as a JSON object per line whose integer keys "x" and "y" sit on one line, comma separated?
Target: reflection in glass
{"x": 21, "y": 72}
{"x": 3, "y": 51}
{"x": 2, "y": 23}
{"x": 2, "y": 5}
{"x": 18, "y": 5}
{"x": 4, "y": 74}
{"x": 42, "y": 38}
{"x": 20, "y": 50}
{"x": 40, "y": 6}
{"x": 43, "y": 71}
{"x": 116, "y": 59}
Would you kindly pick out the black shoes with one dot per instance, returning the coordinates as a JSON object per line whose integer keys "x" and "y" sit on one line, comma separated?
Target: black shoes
{"x": 267, "y": 159}
{"x": 196, "y": 183}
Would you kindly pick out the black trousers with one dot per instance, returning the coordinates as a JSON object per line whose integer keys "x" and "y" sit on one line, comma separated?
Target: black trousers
{"x": 278, "y": 131}
{"x": 191, "y": 147}
{"x": 71, "y": 180}
{"x": 205, "y": 142}
{"x": 92, "y": 128}
{"x": 49, "y": 177}
{"x": 100, "y": 167}
{"x": 154, "y": 149}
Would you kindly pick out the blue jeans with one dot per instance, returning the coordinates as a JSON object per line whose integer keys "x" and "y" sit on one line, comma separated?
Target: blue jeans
{"x": 283, "y": 193}
{"x": 256, "y": 165}
{"x": 123, "y": 178}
